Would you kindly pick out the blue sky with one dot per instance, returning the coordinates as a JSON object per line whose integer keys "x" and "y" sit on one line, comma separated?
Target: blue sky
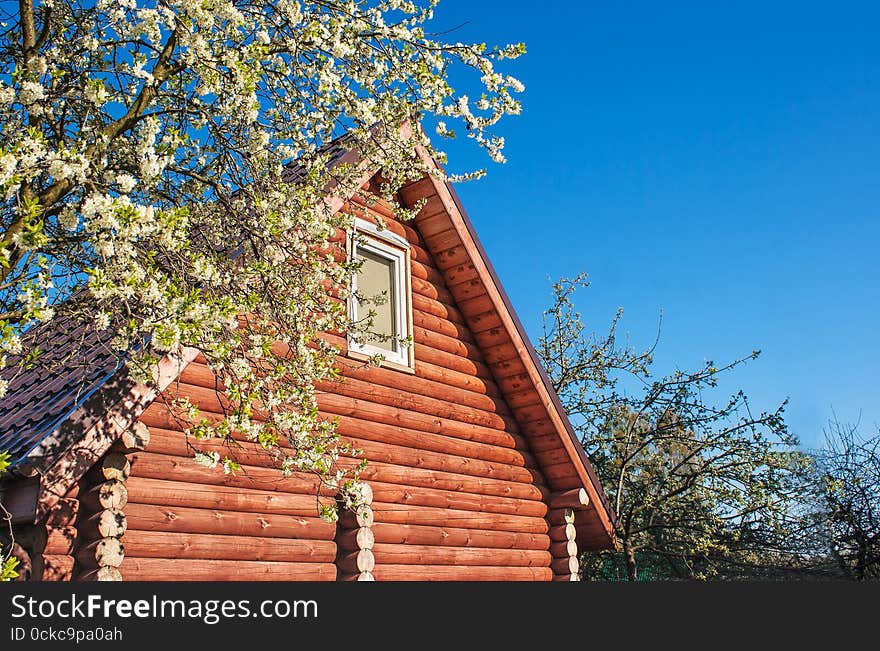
{"x": 719, "y": 164}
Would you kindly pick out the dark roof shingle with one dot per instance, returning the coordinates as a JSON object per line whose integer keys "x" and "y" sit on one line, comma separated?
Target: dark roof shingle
{"x": 75, "y": 361}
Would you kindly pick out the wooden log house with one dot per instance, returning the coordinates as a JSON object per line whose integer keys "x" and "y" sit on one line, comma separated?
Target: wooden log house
{"x": 474, "y": 470}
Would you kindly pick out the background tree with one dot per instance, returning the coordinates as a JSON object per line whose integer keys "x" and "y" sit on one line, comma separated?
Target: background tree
{"x": 698, "y": 490}
{"x": 848, "y": 490}
{"x": 147, "y": 183}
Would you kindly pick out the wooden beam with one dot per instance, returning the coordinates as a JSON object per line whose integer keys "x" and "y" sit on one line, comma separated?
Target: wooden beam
{"x": 455, "y": 537}
{"x": 574, "y": 499}
{"x": 177, "y": 569}
{"x": 425, "y": 515}
{"x": 408, "y": 554}
{"x": 164, "y": 544}
{"x": 160, "y": 492}
{"x": 214, "y": 521}
{"x": 460, "y": 573}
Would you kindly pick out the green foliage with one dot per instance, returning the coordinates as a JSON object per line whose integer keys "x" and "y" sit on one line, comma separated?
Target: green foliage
{"x": 7, "y": 563}
{"x": 698, "y": 489}
{"x": 7, "y": 569}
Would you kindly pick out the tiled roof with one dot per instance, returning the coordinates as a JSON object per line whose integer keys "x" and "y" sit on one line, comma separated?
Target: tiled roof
{"x": 75, "y": 362}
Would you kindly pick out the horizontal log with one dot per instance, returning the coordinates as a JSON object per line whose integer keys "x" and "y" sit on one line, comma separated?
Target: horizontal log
{"x": 424, "y": 515}
{"x": 561, "y": 516}
{"x": 418, "y": 496}
{"x": 445, "y": 405}
{"x": 442, "y": 326}
{"x": 107, "y": 552}
{"x": 199, "y": 375}
{"x": 187, "y": 569}
{"x": 101, "y": 574}
{"x": 393, "y": 474}
{"x": 454, "y": 537}
{"x": 412, "y": 438}
{"x": 370, "y": 411}
{"x": 559, "y": 482}
{"x": 109, "y": 523}
{"x": 443, "y": 310}
{"x": 413, "y": 457}
{"x": 452, "y": 361}
{"x": 355, "y": 539}
{"x": 63, "y": 513}
{"x": 568, "y": 565}
{"x": 61, "y": 541}
{"x": 111, "y": 494}
{"x": 499, "y": 477}
{"x": 568, "y": 578}
{"x": 176, "y": 493}
{"x": 448, "y": 344}
{"x": 148, "y": 517}
{"x": 460, "y": 573}
{"x": 161, "y": 466}
{"x": 563, "y": 532}
{"x": 458, "y": 379}
{"x": 391, "y": 554}
{"x": 57, "y": 567}
{"x": 431, "y": 290}
{"x": 575, "y": 499}
{"x": 356, "y": 562}
{"x": 163, "y": 544}
{"x": 564, "y": 549}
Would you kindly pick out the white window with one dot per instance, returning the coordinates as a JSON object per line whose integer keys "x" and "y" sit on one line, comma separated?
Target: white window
{"x": 381, "y": 287}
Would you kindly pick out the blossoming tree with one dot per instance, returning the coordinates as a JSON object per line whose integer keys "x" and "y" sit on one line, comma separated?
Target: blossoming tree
{"x": 160, "y": 159}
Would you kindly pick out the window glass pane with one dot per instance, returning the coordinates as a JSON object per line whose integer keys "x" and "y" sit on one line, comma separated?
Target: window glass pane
{"x": 376, "y": 279}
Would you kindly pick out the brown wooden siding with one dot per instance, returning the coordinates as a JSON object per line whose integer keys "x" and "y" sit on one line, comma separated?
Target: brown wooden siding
{"x": 457, "y": 491}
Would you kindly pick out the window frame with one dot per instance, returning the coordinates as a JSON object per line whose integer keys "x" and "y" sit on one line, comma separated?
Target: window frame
{"x": 388, "y": 245}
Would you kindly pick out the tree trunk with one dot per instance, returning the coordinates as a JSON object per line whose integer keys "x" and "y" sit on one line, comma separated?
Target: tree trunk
{"x": 629, "y": 556}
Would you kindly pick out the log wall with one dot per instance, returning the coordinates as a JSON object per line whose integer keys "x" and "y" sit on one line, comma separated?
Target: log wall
{"x": 456, "y": 491}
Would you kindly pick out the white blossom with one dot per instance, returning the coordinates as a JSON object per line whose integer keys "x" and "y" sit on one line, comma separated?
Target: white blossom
{"x": 31, "y": 91}
{"x": 166, "y": 188}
